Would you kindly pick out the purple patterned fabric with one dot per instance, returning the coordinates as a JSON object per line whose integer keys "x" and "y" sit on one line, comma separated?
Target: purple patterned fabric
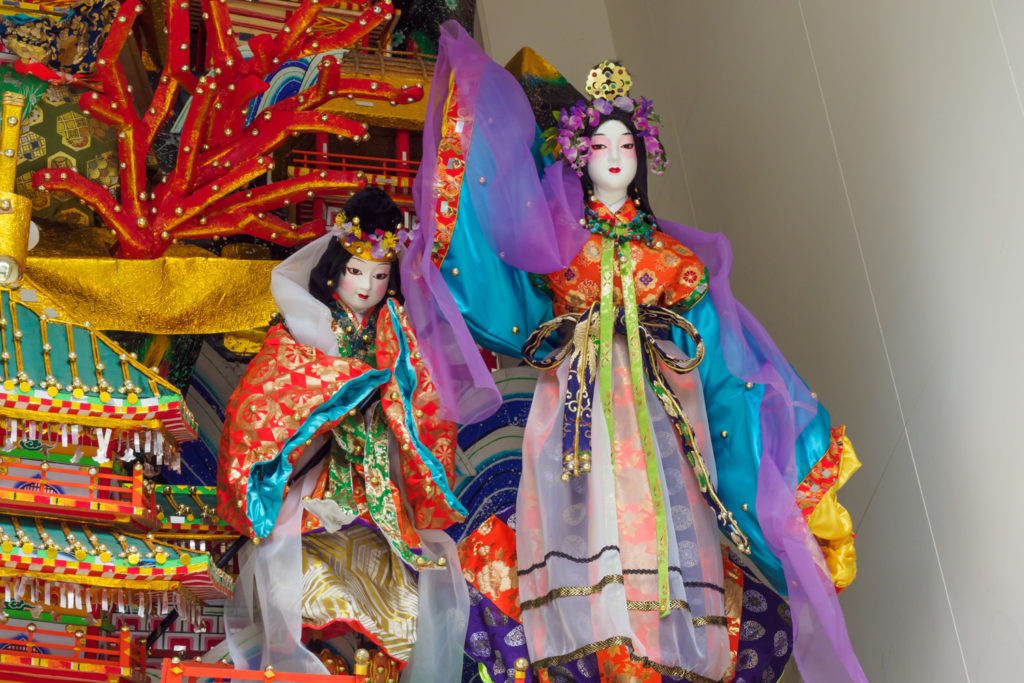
{"x": 766, "y": 634}
{"x": 494, "y": 639}
{"x": 535, "y": 225}
{"x": 582, "y": 670}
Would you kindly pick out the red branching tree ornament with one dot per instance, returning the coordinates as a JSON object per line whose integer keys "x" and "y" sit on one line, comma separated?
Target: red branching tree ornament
{"x": 204, "y": 196}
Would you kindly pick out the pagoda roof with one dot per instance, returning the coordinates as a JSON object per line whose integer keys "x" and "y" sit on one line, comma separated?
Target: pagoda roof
{"x": 56, "y": 368}
{"x": 122, "y": 569}
{"x": 394, "y": 67}
{"x": 250, "y": 19}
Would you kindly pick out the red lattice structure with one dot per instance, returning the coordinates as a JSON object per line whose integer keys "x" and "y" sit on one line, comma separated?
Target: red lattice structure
{"x": 176, "y": 671}
{"x": 393, "y": 174}
{"x": 207, "y": 193}
{"x": 25, "y": 650}
{"x": 90, "y": 495}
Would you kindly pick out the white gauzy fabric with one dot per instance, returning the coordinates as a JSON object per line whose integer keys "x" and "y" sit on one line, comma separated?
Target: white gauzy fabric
{"x": 689, "y": 391}
{"x": 308, "y": 320}
{"x": 443, "y": 615}
{"x": 586, "y": 548}
{"x": 263, "y": 620}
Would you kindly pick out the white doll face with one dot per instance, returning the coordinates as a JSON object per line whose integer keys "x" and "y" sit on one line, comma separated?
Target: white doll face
{"x": 363, "y": 284}
{"x": 612, "y": 162}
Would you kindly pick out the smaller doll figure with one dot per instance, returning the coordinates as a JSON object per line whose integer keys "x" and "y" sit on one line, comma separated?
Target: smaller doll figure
{"x": 345, "y": 367}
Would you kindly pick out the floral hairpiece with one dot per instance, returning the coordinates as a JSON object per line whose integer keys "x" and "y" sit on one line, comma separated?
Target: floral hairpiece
{"x": 609, "y": 85}
{"x": 378, "y": 245}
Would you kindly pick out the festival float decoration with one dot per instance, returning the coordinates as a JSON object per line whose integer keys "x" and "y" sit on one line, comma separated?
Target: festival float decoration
{"x": 94, "y": 556}
{"x": 207, "y": 194}
{"x": 223, "y": 180}
{"x": 79, "y": 522}
{"x": 81, "y": 423}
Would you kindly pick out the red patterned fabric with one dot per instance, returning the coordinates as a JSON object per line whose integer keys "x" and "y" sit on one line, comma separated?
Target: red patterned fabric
{"x": 430, "y": 509}
{"x": 488, "y": 557}
{"x": 451, "y": 166}
{"x": 283, "y": 384}
{"x": 665, "y": 272}
{"x": 823, "y": 475}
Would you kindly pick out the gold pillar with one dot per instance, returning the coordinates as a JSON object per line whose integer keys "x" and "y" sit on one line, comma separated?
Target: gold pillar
{"x": 15, "y": 210}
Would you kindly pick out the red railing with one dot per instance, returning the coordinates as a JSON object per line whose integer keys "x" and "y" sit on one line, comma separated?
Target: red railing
{"x": 398, "y": 169}
{"x": 78, "y": 656}
{"x": 176, "y": 671}
{"x": 113, "y": 496}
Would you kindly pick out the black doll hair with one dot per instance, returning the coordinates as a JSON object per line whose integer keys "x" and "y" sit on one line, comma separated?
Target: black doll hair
{"x": 375, "y": 210}
{"x": 638, "y": 188}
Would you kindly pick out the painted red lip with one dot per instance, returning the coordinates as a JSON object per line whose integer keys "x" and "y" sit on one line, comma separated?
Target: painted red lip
{"x": 363, "y": 296}
{"x": 614, "y": 169}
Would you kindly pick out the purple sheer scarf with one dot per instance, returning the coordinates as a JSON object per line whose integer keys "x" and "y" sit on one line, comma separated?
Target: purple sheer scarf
{"x": 464, "y": 385}
{"x": 821, "y": 643}
{"x": 534, "y": 226}
{"x": 510, "y": 203}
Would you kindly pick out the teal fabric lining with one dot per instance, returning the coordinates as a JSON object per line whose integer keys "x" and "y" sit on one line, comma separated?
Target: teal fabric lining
{"x": 487, "y": 279}
{"x": 267, "y": 480}
{"x": 405, "y": 375}
{"x": 736, "y": 410}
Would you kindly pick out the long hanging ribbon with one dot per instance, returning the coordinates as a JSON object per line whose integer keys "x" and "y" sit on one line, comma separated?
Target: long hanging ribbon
{"x": 578, "y": 350}
{"x": 644, "y": 362}
{"x": 607, "y": 323}
{"x": 636, "y": 373}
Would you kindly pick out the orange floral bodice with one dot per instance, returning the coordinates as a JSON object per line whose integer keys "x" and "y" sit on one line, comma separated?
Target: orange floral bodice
{"x": 665, "y": 272}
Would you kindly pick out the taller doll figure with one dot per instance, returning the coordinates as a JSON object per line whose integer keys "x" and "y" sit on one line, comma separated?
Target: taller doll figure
{"x": 616, "y": 543}
{"x": 666, "y": 428}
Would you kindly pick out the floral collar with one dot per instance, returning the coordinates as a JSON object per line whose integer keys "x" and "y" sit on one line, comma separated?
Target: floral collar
{"x": 628, "y": 224}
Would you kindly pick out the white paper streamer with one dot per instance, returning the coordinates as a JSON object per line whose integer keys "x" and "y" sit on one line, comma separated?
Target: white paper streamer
{"x": 102, "y": 444}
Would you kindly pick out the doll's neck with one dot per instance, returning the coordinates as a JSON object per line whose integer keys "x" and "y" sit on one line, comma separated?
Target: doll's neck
{"x": 612, "y": 206}
{"x": 357, "y": 318}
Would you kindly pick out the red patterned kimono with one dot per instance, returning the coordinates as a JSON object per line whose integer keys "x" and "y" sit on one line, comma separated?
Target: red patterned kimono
{"x": 292, "y": 394}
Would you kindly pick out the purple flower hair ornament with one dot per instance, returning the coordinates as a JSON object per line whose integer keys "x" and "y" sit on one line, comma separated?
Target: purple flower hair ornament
{"x": 608, "y": 85}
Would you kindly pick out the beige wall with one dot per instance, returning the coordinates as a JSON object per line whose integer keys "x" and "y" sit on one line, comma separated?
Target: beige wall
{"x": 866, "y": 159}
{"x": 575, "y": 34}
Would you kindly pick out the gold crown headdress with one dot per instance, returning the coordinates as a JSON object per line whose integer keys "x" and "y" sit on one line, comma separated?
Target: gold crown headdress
{"x": 608, "y": 80}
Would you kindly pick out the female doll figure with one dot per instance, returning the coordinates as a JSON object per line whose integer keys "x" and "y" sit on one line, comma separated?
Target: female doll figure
{"x": 345, "y": 367}
{"x": 635, "y": 445}
{"x": 614, "y": 535}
